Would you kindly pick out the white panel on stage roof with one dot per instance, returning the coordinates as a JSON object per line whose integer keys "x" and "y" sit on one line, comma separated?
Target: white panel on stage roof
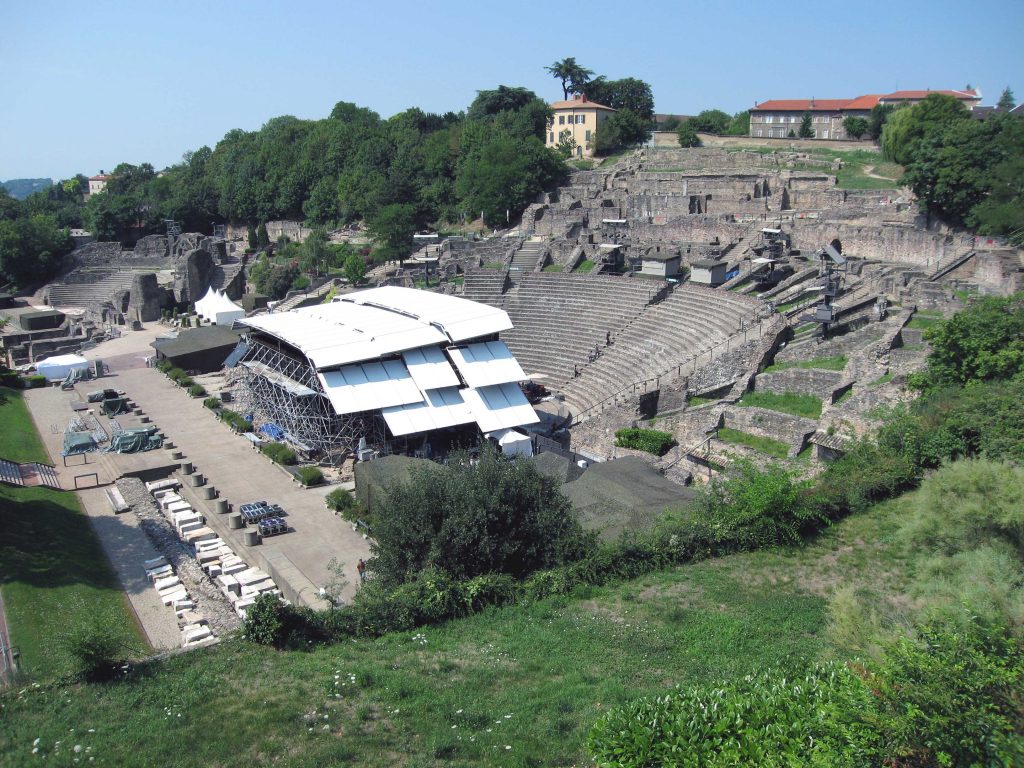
{"x": 370, "y": 386}
{"x": 499, "y": 407}
{"x": 442, "y": 408}
{"x": 429, "y": 368}
{"x": 486, "y": 363}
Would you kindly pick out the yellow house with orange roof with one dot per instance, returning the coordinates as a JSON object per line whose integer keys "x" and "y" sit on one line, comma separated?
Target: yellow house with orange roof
{"x": 577, "y": 118}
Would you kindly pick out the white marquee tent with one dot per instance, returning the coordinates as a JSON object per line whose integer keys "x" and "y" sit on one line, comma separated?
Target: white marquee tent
{"x": 60, "y": 366}
{"x": 218, "y": 309}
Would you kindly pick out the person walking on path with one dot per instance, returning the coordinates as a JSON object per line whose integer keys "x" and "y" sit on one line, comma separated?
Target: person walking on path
{"x": 361, "y": 568}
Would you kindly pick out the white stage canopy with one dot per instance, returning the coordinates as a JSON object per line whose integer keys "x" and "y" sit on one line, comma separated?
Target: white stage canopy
{"x": 59, "y": 366}
{"x": 512, "y": 443}
{"x": 499, "y": 407}
{"x": 429, "y": 368}
{"x": 370, "y": 386}
{"x": 442, "y": 408}
{"x": 486, "y": 363}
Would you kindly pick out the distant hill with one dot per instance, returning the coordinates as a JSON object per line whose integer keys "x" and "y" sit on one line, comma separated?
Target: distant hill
{"x": 22, "y": 188}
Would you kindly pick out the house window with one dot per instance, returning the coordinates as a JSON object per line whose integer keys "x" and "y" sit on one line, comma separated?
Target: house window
{"x": 588, "y": 135}
{"x": 759, "y": 132}
{"x": 824, "y": 134}
{"x": 561, "y": 119}
{"x": 551, "y": 138}
{"x": 581, "y": 119}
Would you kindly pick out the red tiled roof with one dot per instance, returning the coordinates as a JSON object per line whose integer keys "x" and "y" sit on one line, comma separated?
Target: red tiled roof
{"x": 863, "y": 102}
{"x": 99, "y": 178}
{"x": 802, "y": 105}
{"x": 912, "y": 95}
{"x": 579, "y": 102}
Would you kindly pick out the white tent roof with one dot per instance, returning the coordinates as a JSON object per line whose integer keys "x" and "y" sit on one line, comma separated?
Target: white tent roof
{"x": 486, "y": 363}
{"x": 370, "y": 324}
{"x": 216, "y": 306}
{"x": 499, "y": 407}
{"x": 370, "y": 386}
{"x": 442, "y": 408}
{"x": 76, "y": 361}
{"x": 429, "y": 368}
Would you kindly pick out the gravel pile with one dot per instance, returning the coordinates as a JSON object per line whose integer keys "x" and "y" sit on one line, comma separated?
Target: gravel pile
{"x": 209, "y": 600}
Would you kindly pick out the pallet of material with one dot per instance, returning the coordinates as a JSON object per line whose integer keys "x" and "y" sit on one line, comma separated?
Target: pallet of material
{"x": 190, "y": 617}
{"x": 168, "y": 499}
{"x": 183, "y": 606}
{"x": 160, "y": 572}
{"x": 196, "y": 634}
{"x": 259, "y": 587}
{"x": 173, "y": 597}
{"x": 166, "y": 581}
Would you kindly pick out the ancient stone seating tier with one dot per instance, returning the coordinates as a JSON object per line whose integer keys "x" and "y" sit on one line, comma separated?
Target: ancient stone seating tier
{"x": 559, "y": 318}
{"x": 485, "y": 286}
{"x": 85, "y": 294}
{"x": 691, "y": 320}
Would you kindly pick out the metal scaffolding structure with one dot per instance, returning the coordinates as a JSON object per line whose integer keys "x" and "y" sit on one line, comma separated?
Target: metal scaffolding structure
{"x": 282, "y": 388}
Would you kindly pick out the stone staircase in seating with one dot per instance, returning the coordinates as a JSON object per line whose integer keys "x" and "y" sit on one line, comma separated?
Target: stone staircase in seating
{"x": 85, "y": 294}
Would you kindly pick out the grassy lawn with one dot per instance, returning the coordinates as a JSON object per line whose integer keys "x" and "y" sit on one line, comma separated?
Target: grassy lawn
{"x": 761, "y": 444}
{"x": 693, "y": 401}
{"x": 924, "y": 321}
{"x": 585, "y": 266}
{"x": 53, "y": 571}
{"x": 554, "y": 268}
{"x": 792, "y": 403}
{"x": 836, "y": 363}
{"x": 494, "y": 265}
{"x": 885, "y": 378}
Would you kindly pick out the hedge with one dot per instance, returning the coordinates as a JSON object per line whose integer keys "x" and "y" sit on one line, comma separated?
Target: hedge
{"x": 279, "y": 453}
{"x": 309, "y": 476}
{"x": 197, "y": 390}
{"x": 213, "y": 403}
{"x": 235, "y": 420}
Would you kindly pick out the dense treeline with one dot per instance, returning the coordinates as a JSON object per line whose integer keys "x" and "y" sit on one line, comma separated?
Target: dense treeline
{"x": 33, "y": 237}
{"x": 967, "y": 172}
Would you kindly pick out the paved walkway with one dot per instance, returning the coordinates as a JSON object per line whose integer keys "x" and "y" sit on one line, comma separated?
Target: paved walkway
{"x": 127, "y": 546}
{"x": 241, "y": 475}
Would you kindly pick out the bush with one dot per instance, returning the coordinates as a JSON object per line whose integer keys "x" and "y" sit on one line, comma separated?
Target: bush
{"x": 235, "y": 420}
{"x": 176, "y": 374}
{"x": 309, "y": 476}
{"x": 35, "y": 382}
{"x": 186, "y": 382}
{"x": 279, "y": 453}
{"x": 649, "y": 440}
{"x": 264, "y": 623}
{"x": 763, "y": 719}
{"x": 340, "y": 500}
{"x": 164, "y": 366}
{"x": 213, "y": 403}
{"x": 197, "y": 390}
{"x": 98, "y": 643}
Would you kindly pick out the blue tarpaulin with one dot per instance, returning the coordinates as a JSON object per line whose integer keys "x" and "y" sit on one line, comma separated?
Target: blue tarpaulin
{"x": 272, "y": 431}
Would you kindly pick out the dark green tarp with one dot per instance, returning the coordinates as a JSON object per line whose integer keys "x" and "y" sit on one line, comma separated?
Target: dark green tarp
{"x": 78, "y": 442}
{"x": 135, "y": 441}
{"x": 115, "y": 405}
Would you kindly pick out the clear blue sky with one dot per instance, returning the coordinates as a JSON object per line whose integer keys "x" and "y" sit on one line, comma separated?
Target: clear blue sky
{"x": 87, "y": 85}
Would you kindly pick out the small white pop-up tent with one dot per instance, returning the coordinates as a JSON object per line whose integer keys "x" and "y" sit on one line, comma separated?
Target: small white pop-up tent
{"x": 215, "y": 307}
{"x": 60, "y": 366}
{"x": 512, "y": 443}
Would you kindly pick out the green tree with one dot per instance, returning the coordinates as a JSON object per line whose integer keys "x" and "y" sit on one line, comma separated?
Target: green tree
{"x": 31, "y": 249}
{"x": 354, "y": 269}
{"x": 806, "y": 128}
{"x": 740, "y": 124}
{"x": 1006, "y": 100}
{"x": 628, "y": 93}
{"x": 687, "y": 135}
{"x": 251, "y": 237}
{"x": 877, "y": 119}
{"x": 566, "y": 144}
{"x": 623, "y": 129}
{"x": 711, "y": 121}
{"x": 855, "y": 126}
{"x": 670, "y": 124}
{"x": 906, "y": 128}
{"x": 572, "y": 76}
{"x": 499, "y": 515}
{"x": 984, "y": 342}
{"x": 392, "y": 228}
{"x": 315, "y": 251}
{"x": 262, "y": 236}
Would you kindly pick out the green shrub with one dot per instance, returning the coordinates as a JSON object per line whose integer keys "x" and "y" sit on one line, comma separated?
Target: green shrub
{"x": 97, "y": 642}
{"x": 186, "y": 382}
{"x": 164, "y": 366}
{"x": 763, "y": 719}
{"x": 264, "y": 623}
{"x": 35, "y": 382}
{"x": 176, "y": 374}
{"x": 197, "y": 390}
{"x": 649, "y": 440}
{"x": 235, "y": 420}
{"x": 279, "y": 453}
{"x": 213, "y": 403}
{"x": 340, "y": 500}
{"x": 309, "y": 476}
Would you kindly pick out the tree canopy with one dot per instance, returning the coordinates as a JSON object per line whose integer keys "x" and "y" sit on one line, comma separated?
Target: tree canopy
{"x": 572, "y": 75}
{"x": 711, "y": 121}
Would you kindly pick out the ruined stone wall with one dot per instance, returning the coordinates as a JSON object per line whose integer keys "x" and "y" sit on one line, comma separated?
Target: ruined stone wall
{"x": 819, "y": 383}
{"x": 916, "y": 247}
{"x": 688, "y": 228}
{"x": 766, "y": 423}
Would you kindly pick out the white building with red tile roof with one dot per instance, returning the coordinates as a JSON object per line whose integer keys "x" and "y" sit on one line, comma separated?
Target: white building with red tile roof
{"x": 578, "y": 119}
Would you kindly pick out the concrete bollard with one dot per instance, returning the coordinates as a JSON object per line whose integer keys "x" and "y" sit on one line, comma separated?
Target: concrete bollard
{"x": 137, "y": 412}
{"x": 209, "y": 492}
{"x": 196, "y": 480}
{"x": 187, "y": 468}
{"x": 252, "y": 538}
{"x": 168, "y": 443}
{"x": 222, "y": 506}
{"x": 235, "y": 521}
{"x": 144, "y": 419}
{"x": 177, "y": 455}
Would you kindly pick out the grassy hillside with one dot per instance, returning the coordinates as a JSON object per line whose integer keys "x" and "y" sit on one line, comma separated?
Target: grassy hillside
{"x": 530, "y": 678}
{"x": 53, "y": 572}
